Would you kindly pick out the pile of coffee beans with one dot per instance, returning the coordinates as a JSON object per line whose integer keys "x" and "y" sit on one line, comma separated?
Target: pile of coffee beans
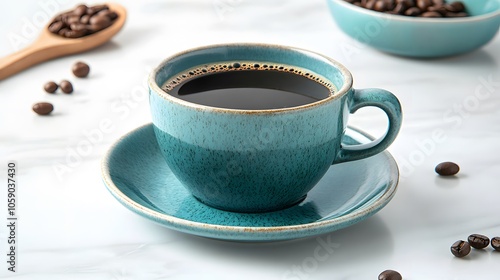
{"x": 462, "y": 248}
{"x": 447, "y": 168}
{"x": 414, "y": 8}
{"x": 82, "y": 21}
{"x": 79, "y": 69}
{"x": 390, "y": 275}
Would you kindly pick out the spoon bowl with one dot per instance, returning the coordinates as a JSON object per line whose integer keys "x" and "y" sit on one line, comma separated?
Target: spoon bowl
{"x": 48, "y": 45}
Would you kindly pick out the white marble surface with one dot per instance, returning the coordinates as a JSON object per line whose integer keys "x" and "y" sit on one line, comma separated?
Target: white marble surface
{"x": 70, "y": 227}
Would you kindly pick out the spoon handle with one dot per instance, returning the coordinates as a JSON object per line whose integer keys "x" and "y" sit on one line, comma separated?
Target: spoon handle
{"x": 25, "y": 58}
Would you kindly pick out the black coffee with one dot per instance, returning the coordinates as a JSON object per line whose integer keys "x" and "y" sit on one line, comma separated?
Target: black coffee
{"x": 249, "y": 86}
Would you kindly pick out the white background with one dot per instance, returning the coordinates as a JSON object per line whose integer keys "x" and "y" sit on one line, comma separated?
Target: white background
{"x": 70, "y": 227}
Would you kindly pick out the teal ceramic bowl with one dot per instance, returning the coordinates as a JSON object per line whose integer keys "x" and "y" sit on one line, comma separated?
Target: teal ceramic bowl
{"x": 416, "y": 36}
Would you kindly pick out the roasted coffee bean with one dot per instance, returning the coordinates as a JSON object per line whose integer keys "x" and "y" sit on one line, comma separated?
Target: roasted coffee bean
{"x": 447, "y": 168}
{"x": 80, "y": 69}
{"x": 80, "y": 10}
{"x": 460, "y": 249}
{"x": 424, "y": 4}
{"x": 438, "y": 2}
{"x": 431, "y": 15}
{"x": 112, "y": 15}
{"x": 370, "y": 5}
{"x": 75, "y": 33}
{"x": 381, "y": 6}
{"x": 63, "y": 31}
{"x": 85, "y": 19}
{"x": 413, "y": 12}
{"x": 478, "y": 241}
{"x": 390, "y": 275}
{"x": 66, "y": 86}
{"x": 400, "y": 8}
{"x": 439, "y": 9}
{"x": 455, "y": 7}
{"x": 450, "y": 14}
{"x": 495, "y": 243}
{"x": 50, "y": 87}
{"x": 72, "y": 19}
{"x": 43, "y": 108}
{"x": 56, "y": 26}
{"x": 78, "y": 26}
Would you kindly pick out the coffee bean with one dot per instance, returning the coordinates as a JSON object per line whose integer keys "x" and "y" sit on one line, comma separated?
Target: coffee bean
{"x": 400, "y": 8}
{"x": 66, "y": 86}
{"x": 450, "y": 14}
{"x": 80, "y": 10}
{"x": 478, "y": 241}
{"x": 370, "y": 5}
{"x": 78, "y": 27}
{"x": 439, "y": 9}
{"x": 438, "y": 2}
{"x": 56, "y": 26}
{"x": 460, "y": 249}
{"x": 380, "y": 6}
{"x": 455, "y": 7}
{"x": 63, "y": 31}
{"x": 424, "y": 4}
{"x": 80, "y": 69}
{"x": 85, "y": 19}
{"x": 413, "y": 12}
{"x": 75, "y": 33}
{"x": 50, "y": 87}
{"x": 43, "y": 108}
{"x": 431, "y": 15}
{"x": 390, "y": 275}
{"x": 72, "y": 19}
{"x": 495, "y": 243}
{"x": 447, "y": 168}
{"x": 112, "y": 15}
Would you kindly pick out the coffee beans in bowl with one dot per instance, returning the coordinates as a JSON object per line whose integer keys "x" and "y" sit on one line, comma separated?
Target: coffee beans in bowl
{"x": 390, "y": 275}
{"x": 414, "y": 8}
{"x": 478, "y": 241}
{"x": 82, "y": 21}
{"x": 43, "y": 108}
{"x": 80, "y": 69}
{"x": 460, "y": 249}
{"x": 447, "y": 168}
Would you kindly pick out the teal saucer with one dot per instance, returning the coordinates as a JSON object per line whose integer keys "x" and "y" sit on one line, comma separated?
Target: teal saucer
{"x": 136, "y": 174}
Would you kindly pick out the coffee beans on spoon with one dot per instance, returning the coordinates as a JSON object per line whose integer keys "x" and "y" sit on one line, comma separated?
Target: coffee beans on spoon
{"x": 82, "y": 21}
{"x": 414, "y": 8}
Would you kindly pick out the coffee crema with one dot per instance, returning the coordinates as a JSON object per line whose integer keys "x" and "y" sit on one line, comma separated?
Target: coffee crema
{"x": 249, "y": 85}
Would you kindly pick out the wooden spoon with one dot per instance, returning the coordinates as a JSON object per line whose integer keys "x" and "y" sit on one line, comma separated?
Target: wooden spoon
{"x": 49, "y": 46}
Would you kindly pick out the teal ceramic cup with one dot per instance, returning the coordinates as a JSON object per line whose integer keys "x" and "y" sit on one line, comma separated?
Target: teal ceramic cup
{"x": 260, "y": 160}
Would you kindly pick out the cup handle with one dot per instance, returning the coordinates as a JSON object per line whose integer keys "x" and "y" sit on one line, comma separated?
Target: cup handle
{"x": 384, "y": 100}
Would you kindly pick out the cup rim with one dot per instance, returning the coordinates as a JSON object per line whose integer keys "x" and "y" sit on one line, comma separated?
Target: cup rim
{"x": 347, "y": 85}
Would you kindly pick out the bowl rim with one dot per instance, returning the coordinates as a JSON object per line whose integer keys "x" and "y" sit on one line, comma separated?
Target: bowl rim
{"x": 418, "y": 19}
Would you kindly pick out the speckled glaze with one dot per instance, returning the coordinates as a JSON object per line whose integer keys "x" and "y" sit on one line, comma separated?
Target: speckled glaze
{"x": 136, "y": 174}
{"x": 259, "y": 160}
{"x": 419, "y": 37}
